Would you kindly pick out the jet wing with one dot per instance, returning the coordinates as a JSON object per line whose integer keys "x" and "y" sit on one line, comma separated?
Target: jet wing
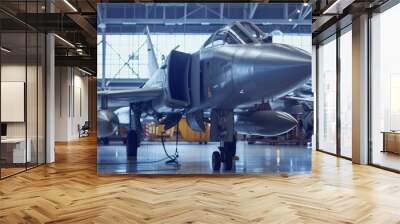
{"x": 132, "y": 95}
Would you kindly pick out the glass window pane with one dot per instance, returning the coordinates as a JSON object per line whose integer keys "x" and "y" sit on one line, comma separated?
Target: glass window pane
{"x": 31, "y": 97}
{"x": 385, "y": 87}
{"x": 346, "y": 94}
{"x": 327, "y": 97}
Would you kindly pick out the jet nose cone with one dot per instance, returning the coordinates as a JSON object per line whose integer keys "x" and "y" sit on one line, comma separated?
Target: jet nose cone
{"x": 284, "y": 58}
{"x": 268, "y": 71}
{"x": 282, "y": 68}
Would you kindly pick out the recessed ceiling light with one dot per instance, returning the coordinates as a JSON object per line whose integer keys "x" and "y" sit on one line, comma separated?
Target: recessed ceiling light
{"x": 305, "y": 4}
{"x": 290, "y": 19}
{"x": 298, "y": 11}
{"x": 102, "y": 26}
{"x": 128, "y": 23}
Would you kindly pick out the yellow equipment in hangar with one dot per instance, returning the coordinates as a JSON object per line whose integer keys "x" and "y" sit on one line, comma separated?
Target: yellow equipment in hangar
{"x": 154, "y": 132}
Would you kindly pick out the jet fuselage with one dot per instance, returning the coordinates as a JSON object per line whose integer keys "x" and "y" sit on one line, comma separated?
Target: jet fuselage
{"x": 233, "y": 75}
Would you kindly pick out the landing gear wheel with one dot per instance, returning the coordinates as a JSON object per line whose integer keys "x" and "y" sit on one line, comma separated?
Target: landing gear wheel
{"x": 216, "y": 161}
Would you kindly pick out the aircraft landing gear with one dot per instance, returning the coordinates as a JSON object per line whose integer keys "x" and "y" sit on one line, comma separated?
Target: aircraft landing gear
{"x": 226, "y": 156}
{"x": 216, "y": 161}
{"x": 133, "y": 136}
{"x": 103, "y": 141}
{"x": 132, "y": 144}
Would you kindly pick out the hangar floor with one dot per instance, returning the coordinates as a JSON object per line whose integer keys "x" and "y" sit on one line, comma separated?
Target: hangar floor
{"x": 196, "y": 159}
{"x": 70, "y": 191}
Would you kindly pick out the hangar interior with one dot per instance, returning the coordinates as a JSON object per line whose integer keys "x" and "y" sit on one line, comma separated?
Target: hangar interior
{"x": 122, "y": 57}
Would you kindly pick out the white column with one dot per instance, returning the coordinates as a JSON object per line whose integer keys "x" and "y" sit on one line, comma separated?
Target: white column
{"x": 50, "y": 99}
{"x": 360, "y": 90}
{"x": 50, "y": 92}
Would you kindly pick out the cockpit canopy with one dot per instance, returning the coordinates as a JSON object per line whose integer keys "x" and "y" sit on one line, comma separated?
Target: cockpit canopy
{"x": 242, "y": 32}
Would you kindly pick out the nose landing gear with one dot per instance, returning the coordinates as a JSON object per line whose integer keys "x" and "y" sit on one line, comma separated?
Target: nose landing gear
{"x": 226, "y": 154}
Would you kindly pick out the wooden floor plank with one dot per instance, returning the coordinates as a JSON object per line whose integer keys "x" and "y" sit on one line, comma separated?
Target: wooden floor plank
{"x": 70, "y": 191}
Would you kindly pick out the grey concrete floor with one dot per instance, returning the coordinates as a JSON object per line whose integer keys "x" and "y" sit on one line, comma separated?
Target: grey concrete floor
{"x": 196, "y": 159}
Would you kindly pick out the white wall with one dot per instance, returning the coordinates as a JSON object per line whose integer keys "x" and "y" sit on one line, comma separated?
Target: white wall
{"x": 12, "y": 73}
{"x": 71, "y": 102}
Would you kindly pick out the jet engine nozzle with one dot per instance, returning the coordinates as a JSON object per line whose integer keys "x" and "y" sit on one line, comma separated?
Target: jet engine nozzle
{"x": 107, "y": 123}
{"x": 265, "y": 123}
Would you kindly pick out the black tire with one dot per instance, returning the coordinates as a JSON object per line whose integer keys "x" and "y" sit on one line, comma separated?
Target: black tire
{"x": 251, "y": 142}
{"x": 206, "y": 142}
{"x": 124, "y": 141}
{"x": 216, "y": 161}
{"x": 131, "y": 143}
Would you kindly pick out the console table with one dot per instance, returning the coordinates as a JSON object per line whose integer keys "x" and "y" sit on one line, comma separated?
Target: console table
{"x": 391, "y": 141}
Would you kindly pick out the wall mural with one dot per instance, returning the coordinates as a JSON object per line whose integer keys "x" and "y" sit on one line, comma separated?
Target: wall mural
{"x": 211, "y": 93}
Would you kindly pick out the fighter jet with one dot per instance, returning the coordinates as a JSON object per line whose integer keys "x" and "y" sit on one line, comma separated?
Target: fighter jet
{"x": 238, "y": 65}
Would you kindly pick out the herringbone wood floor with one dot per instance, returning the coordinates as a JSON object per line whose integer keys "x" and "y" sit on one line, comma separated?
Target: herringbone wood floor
{"x": 70, "y": 191}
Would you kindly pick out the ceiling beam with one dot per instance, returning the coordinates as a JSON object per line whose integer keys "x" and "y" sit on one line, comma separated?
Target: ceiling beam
{"x": 82, "y": 61}
{"x": 129, "y": 21}
{"x": 253, "y": 8}
{"x": 86, "y": 26}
